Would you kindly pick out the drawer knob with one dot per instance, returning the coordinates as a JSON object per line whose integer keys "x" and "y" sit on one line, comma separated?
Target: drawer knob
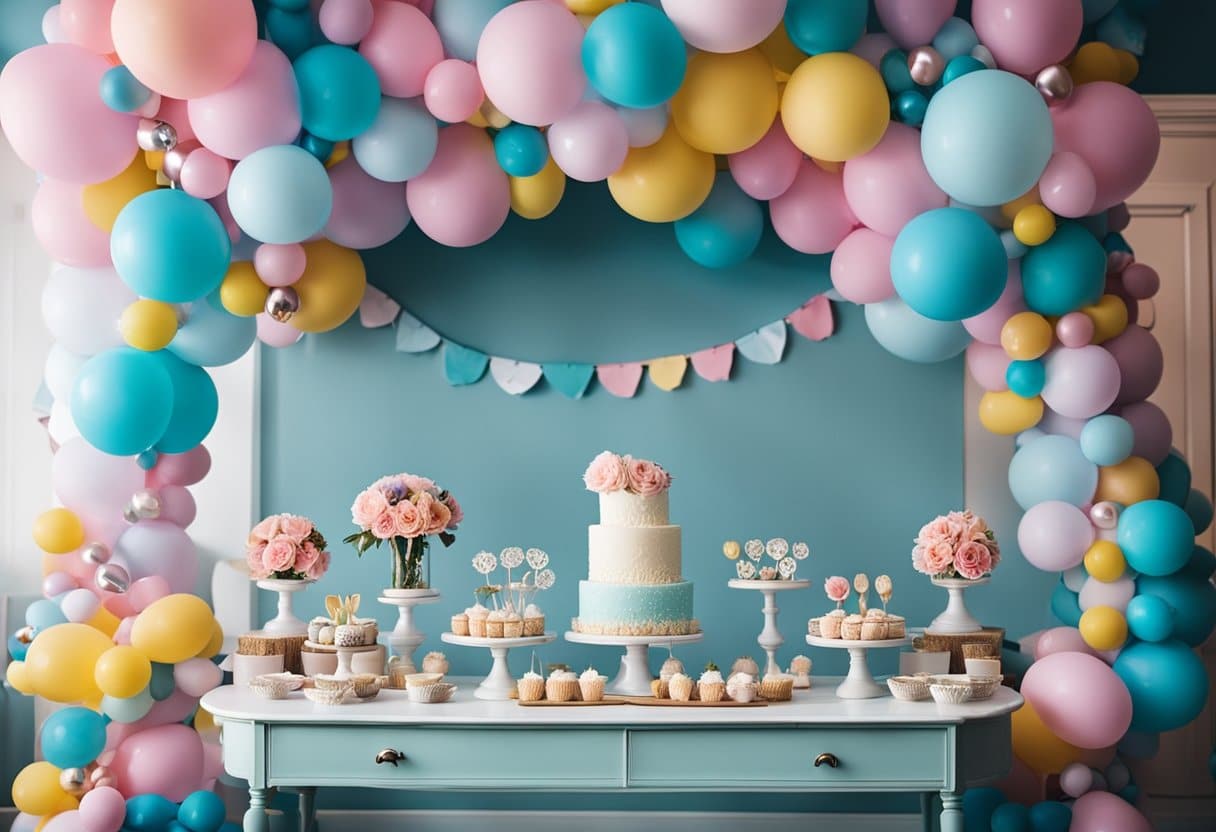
{"x": 827, "y": 759}
{"x": 389, "y": 755}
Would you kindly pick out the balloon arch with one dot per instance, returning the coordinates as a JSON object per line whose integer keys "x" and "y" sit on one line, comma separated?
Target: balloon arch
{"x": 209, "y": 171}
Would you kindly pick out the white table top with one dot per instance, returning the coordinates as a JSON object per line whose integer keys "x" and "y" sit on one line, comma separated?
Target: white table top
{"x": 818, "y": 705}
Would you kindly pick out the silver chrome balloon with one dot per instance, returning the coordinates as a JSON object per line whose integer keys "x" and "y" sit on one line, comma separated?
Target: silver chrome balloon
{"x": 1105, "y": 515}
{"x": 146, "y": 504}
{"x": 926, "y": 65}
{"x": 1055, "y": 84}
{"x": 25, "y": 635}
{"x": 111, "y": 577}
{"x": 282, "y": 303}
{"x": 175, "y": 158}
{"x": 74, "y": 781}
{"x": 95, "y": 553}
{"x": 155, "y": 135}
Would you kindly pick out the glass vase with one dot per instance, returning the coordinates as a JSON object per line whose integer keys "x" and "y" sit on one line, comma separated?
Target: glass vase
{"x": 411, "y": 566}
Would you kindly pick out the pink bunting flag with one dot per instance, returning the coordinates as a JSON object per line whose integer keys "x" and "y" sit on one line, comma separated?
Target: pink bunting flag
{"x": 714, "y": 363}
{"x": 813, "y": 319}
{"x": 377, "y": 309}
{"x": 620, "y": 379}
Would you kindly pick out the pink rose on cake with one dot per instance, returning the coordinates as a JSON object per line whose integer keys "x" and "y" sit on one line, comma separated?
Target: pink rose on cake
{"x": 292, "y": 551}
{"x": 606, "y": 473}
{"x": 836, "y": 588}
{"x": 646, "y": 478}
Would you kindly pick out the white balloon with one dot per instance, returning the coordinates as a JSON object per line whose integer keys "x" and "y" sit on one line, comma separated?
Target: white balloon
{"x": 157, "y": 547}
{"x": 1075, "y": 578}
{"x": 93, "y": 484}
{"x": 1115, "y": 594}
{"x": 1076, "y": 779}
{"x": 52, "y": 32}
{"x": 81, "y": 308}
{"x": 1053, "y": 422}
{"x": 61, "y": 426}
{"x": 62, "y": 367}
{"x": 644, "y": 127}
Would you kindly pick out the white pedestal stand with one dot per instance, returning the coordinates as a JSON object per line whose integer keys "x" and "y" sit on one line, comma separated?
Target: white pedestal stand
{"x": 956, "y": 618}
{"x": 285, "y": 623}
{"x": 770, "y": 637}
{"x": 859, "y": 684}
{"x": 634, "y": 677}
{"x": 405, "y": 637}
{"x": 345, "y": 654}
{"x": 499, "y": 684}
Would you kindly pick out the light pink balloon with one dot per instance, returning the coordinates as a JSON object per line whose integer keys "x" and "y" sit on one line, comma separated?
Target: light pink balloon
{"x": 58, "y": 583}
{"x": 1095, "y": 112}
{"x": 1141, "y": 281}
{"x": 176, "y": 111}
{"x": 68, "y": 821}
{"x": 165, "y": 760}
{"x": 1054, "y": 535}
{"x": 1079, "y": 698}
{"x": 402, "y": 46}
{"x": 145, "y": 591}
{"x": 1140, "y": 361}
{"x": 463, "y": 197}
{"x": 1053, "y": 422}
{"x": 987, "y": 365}
{"x": 1081, "y": 382}
{"x": 1099, "y": 811}
{"x": 346, "y": 21}
{"x": 123, "y": 634}
{"x": 93, "y": 484}
{"x": 871, "y": 47}
{"x": 724, "y": 25}
{"x": 861, "y": 267}
{"x": 366, "y": 211}
{"x": 1061, "y": 640}
{"x": 118, "y": 604}
{"x": 63, "y": 229}
{"x": 913, "y": 22}
{"x": 1076, "y": 779}
{"x": 280, "y": 265}
{"x": 87, "y": 23}
{"x": 589, "y": 142}
{"x": 768, "y": 168}
{"x": 259, "y": 109}
{"x": 987, "y": 325}
{"x": 194, "y": 677}
{"x": 1154, "y": 436}
{"x": 180, "y": 469}
{"x": 1067, "y": 186}
{"x": 453, "y": 91}
{"x": 275, "y": 334}
{"x": 530, "y": 61}
{"x": 80, "y": 605}
{"x": 102, "y": 809}
{"x": 205, "y": 174}
{"x": 1026, "y": 35}
{"x": 157, "y": 547}
{"x": 889, "y": 185}
{"x": 1076, "y": 329}
{"x": 55, "y": 120}
{"x": 812, "y": 216}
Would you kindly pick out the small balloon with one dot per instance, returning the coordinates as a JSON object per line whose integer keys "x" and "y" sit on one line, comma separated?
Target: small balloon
{"x": 25, "y": 635}
{"x": 101, "y": 777}
{"x": 282, "y": 303}
{"x": 111, "y": 577}
{"x": 145, "y": 503}
{"x": 128, "y": 514}
{"x": 1055, "y": 84}
{"x": 1105, "y": 514}
{"x": 925, "y": 65}
{"x": 74, "y": 781}
{"x": 155, "y": 135}
{"x": 95, "y": 553}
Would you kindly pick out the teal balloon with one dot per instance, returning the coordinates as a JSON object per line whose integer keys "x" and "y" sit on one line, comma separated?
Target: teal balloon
{"x": 895, "y": 73}
{"x": 149, "y": 813}
{"x": 978, "y": 806}
{"x": 161, "y": 686}
{"x": 123, "y": 401}
{"x": 1026, "y": 378}
{"x": 521, "y": 150}
{"x": 202, "y": 812}
{"x": 1052, "y": 467}
{"x": 911, "y": 106}
{"x": 43, "y": 614}
{"x": 211, "y": 336}
{"x": 1199, "y": 508}
{"x": 1117, "y": 243}
{"x": 1139, "y": 745}
{"x": 129, "y": 709}
{"x": 147, "y": 460}
{"x": 460, "y": 23}
{"x": 195, "y": 405}
{"x": 401, "y": 142}
{"x": 1107, "y": 439}
{"x": 634, "y": 56}
{"x": 17, "y": 648}
{"x": 1167, "y": 681}
{"x": 73, "y": 737}
{"x": 1011, "y": 817}
{"x": 958, "y": 67}
{"x": 1064, "y": 605}
{"x": 1050, "y": 816}
{"x": 955, "y": 40}
{"x": 169, "y": 246}
{"x": 817, "y": 26}
{"x": 1156, "y": 537}
{"x": 339, "y": 92}
{"x": 293, "y": 31}
{"x": 322, "y": 149}
{"x": 289, "y": 5}
{"x": 987, "y": 137}
{"x": 1175, "y": 476}
{"x": 1192, "y": 602}
{"x": 280, "y": 194}
{"x": 725, "y": 230}
{"x": 1149, "y": 617}
{"x": 948, "y": 264}
{"x": 1095, "y": 10}
{"x": 120, "y": 90}
{"x": 1064, "y": 273}
{"x": 905, "y": 333}
{"x": 1201, "y": 565}
{"x": 21, "y": 25}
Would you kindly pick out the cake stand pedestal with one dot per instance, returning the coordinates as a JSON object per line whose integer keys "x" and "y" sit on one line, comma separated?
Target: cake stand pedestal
{"x": 285, "y": 623}
{"x": 405, "y": 637}
{"x": 770, "y": 637}
{"x": 499, "y": 684}
{"x": 345, "y": 654}
{"x": 859, "y": 684}
{"x": 955, "y": 619}
{"x": 634, "y": 677}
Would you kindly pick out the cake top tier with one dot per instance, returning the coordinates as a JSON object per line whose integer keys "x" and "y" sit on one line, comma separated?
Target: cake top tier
{"x": 610, "y": 472}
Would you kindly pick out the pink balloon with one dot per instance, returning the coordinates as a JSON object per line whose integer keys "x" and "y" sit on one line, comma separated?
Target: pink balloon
{"x": 346, "y": 21}
{"x": 768, "y": 168}
{"x": 123, "y": 634}
{"x": 165, "y": 760}
{"x": 180, "y": 469}
{"x": 220, "y": 205}
{"x": 1081, "y": 382}
{"x": 52, "y": 32}
{"x": 453, "y": 91}
{"x": 68, "y": 821}
{"x": 194, "y": 677}
{"x": 93, "y": 484}
{"x": 205, "y": 174}
{"x": 1141, "y": 281}
{"x": 987, "y": 325}
{"x": 1026, "y": 35}
{"x": 987, "y": 365}
{"x": 275, "y": 334}
{"x": 80, "y": 605}
{"x": 176, "y": 111}
{"x": 1076, "y": 329}
{"x": 1096, "y": 111}
{"x": 1054, "y": 535}
{"x": 1118, "y": 217}
{"x": 157, "y": 547}
{"x": 873, "y": 46}
{"x": 589, "y": 142}
{"x": 63, "y": 229}
{"x": 87, "y": 23}
{"x": 280, "y": 265}
{"x": 58, "y": 583}
{"x": 724, "y": 25}
{"x": 259, "y": 109}
{"x": 102, "y": 809}
{"x": 1140, "y": 363}
{"x": 146, "y": 591}
{"x": 1079, "y": 698}
{"x": 861, "y": 267}
{"x": 1076, "y": 779}
{"x": 530, "y": 61}
{"x": 1067, "y": 186}
{"x": 889, "y": 185}
{"x": 913, "y": 22}
{"x": 55, "y": 120}
{"x": 366, "y": 211}
{"x": 1061, "y": 640}
{"x": 463, "y": 197}
{"x": 1104, "y": 812}
{"x": 812, "y": 216}
{"x": 1154, "y": 436}
{"x": 402, "y": 46}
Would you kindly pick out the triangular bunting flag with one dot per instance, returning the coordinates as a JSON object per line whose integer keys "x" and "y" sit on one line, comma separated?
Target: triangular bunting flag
{"x": 515, "y": 377}
{"x": 714, "y": 363}
{"x": 462, "y": 365}
{"x": 667, "y": 373}
{"x": 570, "y": 380}
{"x": 415, "y": 336}
{"x": 620, "y": 379}
{"x": 813, "y": 319}
{"x": 377, "y": 309}
{"x": 764, "y": 346}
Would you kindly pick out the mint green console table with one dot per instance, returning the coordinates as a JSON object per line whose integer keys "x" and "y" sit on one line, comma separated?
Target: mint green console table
{"x": 817, "y": 743}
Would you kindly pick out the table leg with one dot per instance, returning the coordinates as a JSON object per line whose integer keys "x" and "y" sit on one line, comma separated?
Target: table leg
{"x": 926, "y": 811}
{"x": 308, "y": 809}
{"x": 256, "y": 819}
{"x": 952, "y": 812}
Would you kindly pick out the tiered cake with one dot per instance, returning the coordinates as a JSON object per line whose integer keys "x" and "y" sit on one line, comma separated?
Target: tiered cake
{"x": 634, "y": 585}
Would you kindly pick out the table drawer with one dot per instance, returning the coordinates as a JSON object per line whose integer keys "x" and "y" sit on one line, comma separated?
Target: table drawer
{"x": 447, "y": 757}
{"x": 783, "y": 757}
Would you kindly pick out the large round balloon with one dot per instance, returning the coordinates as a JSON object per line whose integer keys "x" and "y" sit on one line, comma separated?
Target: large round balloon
{"x": 812, "y": 215}
{"x": 339, "y": 92}
{"x": 634, "y": 56}
{"x": 157, "y": 547}
{"x": 81, "y": 308}
{"x": 948, "y": 264}
{"x": 588, "y": 143}
{"x": 1141, "y": 363}
{"x": 280, "y": 194}
{"x": 664, "y": 181}
{"x": 1082, "y": 383}
{"x": 123, "y": 401}
{"x": 724, "y": 25}
{"x": 1099, "y": 811}
{"x": 725, "y": 230}
{"x": 210, "y": 336}
{"x": 1156, "y": 537}
{"x": 59, "y": 664}
{"x": 861, "y": 267}
{"x": 1191, "y": 601}
{"x": 1026, "y": 35}
{"x": 1045, "y": 753}
{"x": 367, "y": 212}
{"x": 402, "y": 46}
{"x": 330, "y": 288}
{"x": 460, "y": 24}
{"x": 63, "y": 228}
{"x": 463, "y": 197}
{"x": 905, "y": 333}
{"x": 140, "y": 762}
{"x": 195, "y": 405}
{"x": 73, "y": 737}
{"x": 768, "y": 168}
{"x": 817, "y": 26}
{"x": 1054, "y": 535}
{"x": 835, "y": 107}
{"x": 400, "y": 143}
{"x": 1158, "y": 706}
{"x": 1052, "y": 467}
{"x": 889, "y": 186}
{"x": 1064, "y": 273}
{"x": 727, "y": 102}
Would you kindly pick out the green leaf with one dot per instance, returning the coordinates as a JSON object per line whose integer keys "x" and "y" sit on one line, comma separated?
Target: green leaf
{"x": 447, "y": 539}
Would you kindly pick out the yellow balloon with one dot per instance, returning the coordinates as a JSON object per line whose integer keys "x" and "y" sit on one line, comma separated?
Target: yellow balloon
{"x": 1034, "y": 225}
{"x": 103, "y": 201}
{"x": 214, "y": 644}
{"x": 1010, "y": 209}
{"x": 1045, "y": 753}
{"x": 61, "y": 659}
{"x": 36, "y": 791}
{"x": 204, "y": 723}
{"x": 339, "y": 153}
{"x": 243, "y": 292}
{"x": 122, "y": 671}
{"x": 173, "y": 629}
{"x": 663, "y": 182}
{"x": 590, "y": 6}
{"x": 491, "y": 116}
{"x": 1095, "y": 61}
{"x": 1103, "y": 628}
{"x": 1132, "y": 480}
{"x": 533, "y": 197}
{"x": 331, "y": 287}
{"x": 148, "y": 325}
{"x": 1104, "y": 561}
{"x": 727, "y": 101}
{"x": 1006, "y": 413}
{"x": 58, "y": 531}
{"x": 1026, "y": 336}
{"x": 835, "y": 106}
{"x": 1129, "y": 66}
{"x": 780, "y": 50}
{"x": 1109, "y": 315}
{"x": 154, "y": 160}
{"x": 104, "y": 621}
{"x": 18, "y": 676}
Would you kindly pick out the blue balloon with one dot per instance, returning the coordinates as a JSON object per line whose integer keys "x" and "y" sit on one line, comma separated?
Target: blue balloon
{"x": 1050, "y": 816}
{"x": 169, "y": 246}
{"x": 161, "y": 685}
{"x": 1175, "y": 477}
{"x": 1107, "y": 440}
{"x": 120, "y": 90}
{"x": 202, "y": 812}
{"x": 948, "y": 264}
{"x": 293, "y": 31}
{"x": 289, "y": 5}
{"x": 1156, "y": 537}
{"x": 17, "y": 648}
{"x": 147, "y": 460}
{"x": 1026, "y": 378}
{"x": 460, "y": 23}
{"x": 895, "y": 73}
{"x": 1097, "y": 9}
{"x": 1064, "y": 273}
{"x": 1121, "y": 30}
{"x": 987, "y": 137}
{"x": 1199, "y": 508}
{"x": 1095, "y": 224}
{"x": 1052, "y": 467}
{"x": 123, "y": 400}
{"x": 1010, "y": 817}
{"x": 1065, "y": 606}
{"x": 280, "y": 194}
{"x": 1201, "y": 565}
{"x": 73, "y": 737}
{"x": 1167, "y": 681}
{"x": 339, "y": 92}
{"x": 725, "y": 230}
{"x": 978, "y": 806}
{"x": 1015, "y": 249}
{"x": 817, "y": 26}
{"x": 401, "y": 142}
{"x": 127, "y": 709}
{"x": 1115, "y": 243}
{"x": 958, "y": 67}
{"x": 956, "y": 39}
{"x": 634, "y": 56}
{"x": 521, "y": 150}
{"x": 1149, "y": 617}
{"x": 211, "y": 336}
{"x": 149, "y": 813}
{"x": 1192, "y": 602}
{"x": 911, "y": 106}
{"x": 905, "y": 333}
{"x": 195, "y": 405}
{"x": 22, "y": 26}
{"x": 43, "y": 614}
{"x": 1139, "y": 745}
{"x": 317, "y": 146}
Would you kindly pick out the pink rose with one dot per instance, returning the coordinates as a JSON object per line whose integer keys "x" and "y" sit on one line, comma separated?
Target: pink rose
{"x": 280, "y": 554}
{"x": 419, "y": 485}
{"x": 994, "y": 549}
{"x": 647, "y": 478}
{"x": 265, "y": 530}
{"x": 368, "y": 506}
{"x": 385, "y": 524}
{"x": 973, "y": 560}
{"x": 940, "y": 529}
{"x": 410, "y": 519}
{"x": 320, "y": 567}
{"x": 257, "y": 569}
{"x": 457, "y": 512}
{"x": 306, "y": 557}
{"x": 297, "y": 528}
{"x": 606, "y": 473}
{"x": 837, "y": 588}
{"x": 768, "y": 573}
{"x": 975, "y": 528}
{"x": 441, "y": 515}
{"x": 938, "y": 558}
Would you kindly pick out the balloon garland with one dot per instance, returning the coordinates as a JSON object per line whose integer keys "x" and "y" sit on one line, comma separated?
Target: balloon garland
{"x": 960, "y": 171}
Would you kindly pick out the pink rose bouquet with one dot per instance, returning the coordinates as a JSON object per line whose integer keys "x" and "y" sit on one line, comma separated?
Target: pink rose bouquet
{"x": 286, "y": 547}
{"x": 610, "y": 472}
{"x": 956, "y": 545}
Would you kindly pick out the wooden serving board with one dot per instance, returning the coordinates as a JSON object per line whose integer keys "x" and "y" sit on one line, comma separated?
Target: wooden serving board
{"x": 546, "y": 703}
{"x": 697, "y": 703}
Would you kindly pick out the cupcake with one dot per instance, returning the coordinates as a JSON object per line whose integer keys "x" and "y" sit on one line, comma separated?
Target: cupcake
{"x": 534, "y": 621}
{"x": 800, "y": 669}
{"x": 326, "y": 634}
{"x": 496, "y": 623}
{"x": 591, "y": 685}
{"x": 680, "y": 687}
{"x": 850, "y": 630}
{"x": 371, "y": 629}
{"x": 531, "y": 688}
{"x": 745, "y": 664}
{"x": 460, "y": 624}
{"x": 813, "y": 628}
{"x": 896, "y": 626}
{"x": 477, "y": 620}
{"x": 562, "y": 686}
{"x": 314, "y": 628}
{"x": 659, "y": 689}
{"x": 830, "y": 624}
{"x": 348, "y": 635}
{"x": 874, "y": 625}
{"x": 711, "y": 687}
{"x": 777, "y": 687}
{"x": 435, "y": 662}
{"x": 513, "y": 625}
{"x": 742, "y": 687}
{"x": 670, "y": 668}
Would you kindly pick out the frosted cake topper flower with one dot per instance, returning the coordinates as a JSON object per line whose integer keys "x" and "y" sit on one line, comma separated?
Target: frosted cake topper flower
{"x": 745, "y": 570}
{"x": 754, "y": 549}
{"x": 777, "y": 549}
{"x": 538, "y": 558}
{"x": 837, "y": 589}
{"x": 485, "y": 562}
{"x": 511, "y": 557}
{"x": 610, "y": 472}
{"x": 517, "y": 595}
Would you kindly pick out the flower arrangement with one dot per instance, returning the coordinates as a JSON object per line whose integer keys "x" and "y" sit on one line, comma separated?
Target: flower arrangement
{"x": 956, "y": 545}
{"x": 286, "y": 547}
{"x": 404, "y": 510}
{"x": 778, "y": 550}
{"x": 610, "y": 472}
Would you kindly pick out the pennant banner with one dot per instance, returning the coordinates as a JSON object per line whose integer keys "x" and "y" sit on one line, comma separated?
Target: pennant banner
{"x": 462, "y": 365}
{"x": 667, "y": 373}
{"x": 515, "y": 377}
{"x": 764, "y": 346}
{"x": 620, "y": 379}
{"x": 415, "y": 336}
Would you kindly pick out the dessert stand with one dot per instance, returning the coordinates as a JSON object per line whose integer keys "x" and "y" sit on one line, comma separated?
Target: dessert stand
{"x": 859, "y": 684}
{"x": 405, "y": 638}
{"x": 956, "y": 618}
{"x": 770, "y": 637}
{"x": 499, "y": 684}
{"x": 285, "y": 623}
{"x": 345, "y": 654}
{"x": 634, "y": 677}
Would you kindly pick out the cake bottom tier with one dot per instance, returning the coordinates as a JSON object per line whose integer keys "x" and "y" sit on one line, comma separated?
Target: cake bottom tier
{"x": 635, "y": 609}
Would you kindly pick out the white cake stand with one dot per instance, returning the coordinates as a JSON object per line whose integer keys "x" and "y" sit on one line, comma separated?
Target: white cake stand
{"x": 859, "y": 684}
{"x": 634, "y": 677}
{"x": 285, "y": 623}
{"x": 499, "y": 684}
{"x": 345, "y": 654}
{"x": 405, "y": 637}
{"x": 770, "y": 637}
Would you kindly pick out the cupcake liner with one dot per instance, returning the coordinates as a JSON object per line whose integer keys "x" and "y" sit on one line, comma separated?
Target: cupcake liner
{"x": 830, "y": 626}
{"x": 659, "y": 689}
{"x": 512, "y": 629}
{"x": 531, "y": 690}
{"x": 711, "y": 691}
{"x": 534, "y": 626}
{"x": 681, "y": 688}
{"x": 777, "y": 690}
{"x": 592, "y": 690}
{"x": 460, "y": 625}
{"x": 495, "y": 629}
{"x": 477, "y": 627}
{"x": 562, "y": 690}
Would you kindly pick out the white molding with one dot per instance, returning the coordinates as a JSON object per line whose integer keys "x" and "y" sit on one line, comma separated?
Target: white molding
{"x": 542, "y": 821}
{"x": 1184, "y": 115}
